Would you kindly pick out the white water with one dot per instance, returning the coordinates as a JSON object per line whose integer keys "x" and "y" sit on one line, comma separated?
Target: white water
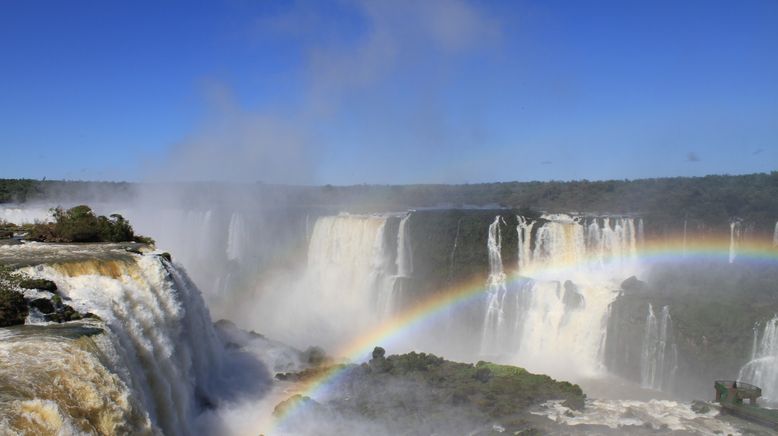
{"x": 541, "y": 324}
{"x": 734, "y": 239}
{"x": 236, "y": 237}
{"x": 775, "y": 235}
{"x": 762, "y": 370}
{"x": 524, "y": 231}
{"x": 658, "y": 414}
{"x": 659, "y": 355}
{"x": 494, "y": 323}
{"x": 24, "y": 214}
{"x": 404, "y": 251}
{"x": 161, "y": 343}
{"x": 352, "y": 280}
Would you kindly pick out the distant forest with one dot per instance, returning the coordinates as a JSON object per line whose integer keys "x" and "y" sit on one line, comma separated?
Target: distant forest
{"x": 706, "y": 202}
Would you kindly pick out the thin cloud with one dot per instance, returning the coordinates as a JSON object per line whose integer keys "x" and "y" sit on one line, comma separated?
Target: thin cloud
{"x": 758, "y": 151}
{"x": 692, "y": 157}
{"x": 344, "y": 69}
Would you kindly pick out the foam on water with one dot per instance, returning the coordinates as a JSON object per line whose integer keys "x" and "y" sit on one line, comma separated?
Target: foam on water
{"x": 620, "y": 414}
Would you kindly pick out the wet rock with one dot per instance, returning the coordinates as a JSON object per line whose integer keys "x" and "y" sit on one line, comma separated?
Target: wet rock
{"x": 40, "y": 284}
{"x": 700, "y": 407}
{"x": 64, "y": 313}
{"x": 632, "y": 284}
{"x": 90, "y": 315}
{"x": 314, "y": 356}
{"x": 43, "y": 304}
{"x": 572, "y": 297}
{"x": 166, "y": 256}
{"x": 13, "y": 308}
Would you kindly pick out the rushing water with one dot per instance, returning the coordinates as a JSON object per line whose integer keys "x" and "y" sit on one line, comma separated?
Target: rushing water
{"x": 659, "y": 355}
{"x": 494, "y": 321}
{"x": 559, "y": 315}
{"x": 628, "y": 416}
{"x": 775, "y": 235}
{"x": 762, "y": 369}
{"x": 735, "y": 231}
{"x": 155, "y": 367}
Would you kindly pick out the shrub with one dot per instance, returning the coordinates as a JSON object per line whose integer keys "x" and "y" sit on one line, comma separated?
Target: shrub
{"x": 80, "y": 224}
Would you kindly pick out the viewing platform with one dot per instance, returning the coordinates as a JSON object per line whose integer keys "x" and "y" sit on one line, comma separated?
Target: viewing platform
{"x": 730, "y": 394}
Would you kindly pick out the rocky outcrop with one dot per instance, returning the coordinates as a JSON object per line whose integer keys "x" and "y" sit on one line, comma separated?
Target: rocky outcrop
{"x": 427, "y": 390}
{"x": 39, "y": 284}
{"x": 13, "y": 308}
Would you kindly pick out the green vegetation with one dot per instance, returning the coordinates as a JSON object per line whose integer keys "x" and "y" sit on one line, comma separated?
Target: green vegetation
{"x": 80, "y": 224}
{"x": 399, "y": 389}
{"x": 709, "y": 201}
{"x": 18, "y": 190}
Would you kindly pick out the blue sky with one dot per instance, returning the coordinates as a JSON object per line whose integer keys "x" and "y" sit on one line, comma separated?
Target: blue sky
{"x": 360, "y": 91}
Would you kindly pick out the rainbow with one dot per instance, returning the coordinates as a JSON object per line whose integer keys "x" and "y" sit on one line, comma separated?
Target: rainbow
{"x": 673, "y": 249}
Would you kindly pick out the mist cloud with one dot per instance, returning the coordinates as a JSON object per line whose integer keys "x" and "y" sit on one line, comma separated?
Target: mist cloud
{"x": 344, "y": 72}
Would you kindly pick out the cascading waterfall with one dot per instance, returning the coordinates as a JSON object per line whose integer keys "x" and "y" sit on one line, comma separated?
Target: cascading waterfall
{"x": 24, "y": 215}
{"x": 384, "y": 283}
{"x": 236, "y": 237}
{"x": 559, "y": 315}
{"x": 524, "y": 231}
{"x": 453, "y": 254}
{"x": 160, "y": 341}
{"x": 659, "y": 354}
{"x": 352, "y": 260}
{"x": 641, "y": 235}
{"x": 775, "y": 235}
{"x": 734, "y": 239}
{"x": 762, "y": 369}
{"x": 404, "y": 252}
{"x": 493, "y": 328}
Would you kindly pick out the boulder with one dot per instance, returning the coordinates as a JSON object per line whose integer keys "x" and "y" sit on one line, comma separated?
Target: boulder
{"x": 13, "y": 308}
{"x": 633, "y": 285}
{"x": 40, "y": 284}
{"x": 572, "y": 297}
{"x": 43, "y": 304}
{"x": 64, "y": 313}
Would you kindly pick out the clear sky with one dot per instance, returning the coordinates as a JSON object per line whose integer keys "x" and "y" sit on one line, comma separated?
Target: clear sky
{"x": 362, "y": 91}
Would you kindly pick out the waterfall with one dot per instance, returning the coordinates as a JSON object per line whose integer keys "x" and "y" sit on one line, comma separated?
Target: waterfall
{"x": 454, "y": 252}
{"x": 734, "y": 239}
{"x": 404, "y": 252}
{"x": 496, "y": 282}
{"x": 684, "y": 237}
{"x": 351, "y": 260}
{"x": 762, "y": 369}
{"x": 775, "y": 235}
{"x": 641, "y": 236}
{"x": 524, "y": 232}
{"x": 24, "y": 214}
{"x": 558, "y": 314}
{"x": 659, "y": 354}
{"x": 161, "y": 349}
{"x": 236, "y": 237}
